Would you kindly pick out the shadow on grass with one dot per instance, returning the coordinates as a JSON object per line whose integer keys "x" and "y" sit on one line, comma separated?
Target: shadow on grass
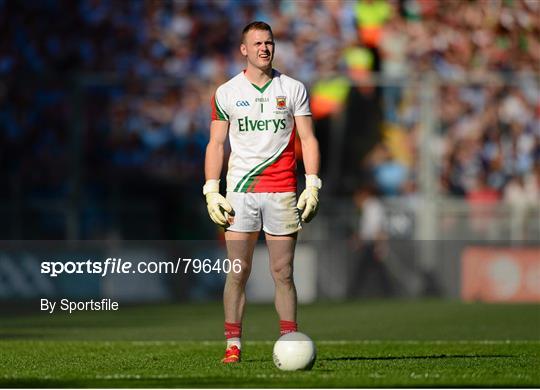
{"x": 21, "y": 336}
{"x": 345, "y": 358}
{"x": 36, "y": 383}
{"x": 95, "y": 383}
{"x": 144, "y": 383}
{"x": 256, "y": 360}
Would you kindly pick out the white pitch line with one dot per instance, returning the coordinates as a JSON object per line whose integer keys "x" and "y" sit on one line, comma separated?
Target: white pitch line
{"x": 488, "y": 342}
{"x": 346, "y": 342}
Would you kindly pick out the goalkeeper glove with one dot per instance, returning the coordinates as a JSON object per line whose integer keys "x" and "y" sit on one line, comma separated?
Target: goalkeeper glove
{"x": 308, "y": 202}
{"x": 218, "y": 207}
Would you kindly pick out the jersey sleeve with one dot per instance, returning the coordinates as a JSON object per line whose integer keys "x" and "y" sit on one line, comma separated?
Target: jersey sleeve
{"x": 301, "y": 101}
{"x": 219, "y": 108}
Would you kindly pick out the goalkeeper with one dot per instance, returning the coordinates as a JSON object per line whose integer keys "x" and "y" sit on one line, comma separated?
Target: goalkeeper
{"x": 261, "y": 110}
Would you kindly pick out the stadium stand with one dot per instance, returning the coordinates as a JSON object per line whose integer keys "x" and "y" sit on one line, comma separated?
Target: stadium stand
{"x": 135, "y": 79}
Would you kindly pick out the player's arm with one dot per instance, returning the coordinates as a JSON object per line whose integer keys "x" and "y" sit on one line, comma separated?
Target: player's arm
{"x": 213, "y": 161}
{"x": 218, "y": 207}
{"x": 310, "y": 145}
{"x": 309, "y": 199}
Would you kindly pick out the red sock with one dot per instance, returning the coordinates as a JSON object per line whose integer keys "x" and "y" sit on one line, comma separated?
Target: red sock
{"x": 233, "y": 330}
{"x": 287, "y": 327}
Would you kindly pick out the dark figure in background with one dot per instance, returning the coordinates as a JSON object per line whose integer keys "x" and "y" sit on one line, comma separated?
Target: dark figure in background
{"x": 369, "y": 274}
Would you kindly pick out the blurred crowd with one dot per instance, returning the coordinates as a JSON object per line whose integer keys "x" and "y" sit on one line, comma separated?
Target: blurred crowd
{"x": 487, "y": 131}
{"x": 135, "y": 77}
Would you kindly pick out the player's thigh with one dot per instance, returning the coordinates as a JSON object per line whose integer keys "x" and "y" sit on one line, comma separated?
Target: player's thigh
{"x": 280, "y": 216}
{"x": 281, "y": 251}
{"x": 240, "y": 245}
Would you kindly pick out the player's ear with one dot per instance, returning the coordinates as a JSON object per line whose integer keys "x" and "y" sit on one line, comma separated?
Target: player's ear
{"x": 243, "y": 49}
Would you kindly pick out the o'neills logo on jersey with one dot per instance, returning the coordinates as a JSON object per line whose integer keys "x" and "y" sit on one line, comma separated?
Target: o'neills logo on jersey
{"x": 281, "y": 102}
{"x": 246, "y": 124}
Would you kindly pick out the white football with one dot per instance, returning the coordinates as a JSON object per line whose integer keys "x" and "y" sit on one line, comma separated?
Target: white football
{"x": 294, "y": 351}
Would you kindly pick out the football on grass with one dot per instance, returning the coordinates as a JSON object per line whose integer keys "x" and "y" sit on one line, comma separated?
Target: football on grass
{"x": 294, "y": 351}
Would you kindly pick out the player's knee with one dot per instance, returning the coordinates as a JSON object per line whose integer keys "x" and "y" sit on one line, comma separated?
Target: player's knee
{"x": 282, "y": 274}
{"x": 241, "y": 274}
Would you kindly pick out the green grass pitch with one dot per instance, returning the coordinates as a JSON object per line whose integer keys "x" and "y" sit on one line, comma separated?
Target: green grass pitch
{"x": 360, "y": 344}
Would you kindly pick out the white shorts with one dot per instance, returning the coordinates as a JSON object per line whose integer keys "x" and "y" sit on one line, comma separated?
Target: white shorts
{"x": 276, "y": 212}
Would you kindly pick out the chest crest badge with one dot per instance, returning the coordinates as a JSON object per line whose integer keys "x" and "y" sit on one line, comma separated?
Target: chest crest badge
{"x": 281, "y": 102}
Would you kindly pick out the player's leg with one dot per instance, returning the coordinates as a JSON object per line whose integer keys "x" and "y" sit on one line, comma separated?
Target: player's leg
{"x": 281, "y": 223}
{"x": 281, "y": 250}
{"x": 241, "y": 237}
{"x": 239, "y": 246}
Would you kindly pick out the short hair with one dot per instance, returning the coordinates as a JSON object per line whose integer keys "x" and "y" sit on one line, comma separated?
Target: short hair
{"x": 257, "y": 25}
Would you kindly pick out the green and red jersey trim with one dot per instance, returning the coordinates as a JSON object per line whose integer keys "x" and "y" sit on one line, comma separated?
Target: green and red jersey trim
{"x": 275, "y": 174}
{"x": 218, "y": 114}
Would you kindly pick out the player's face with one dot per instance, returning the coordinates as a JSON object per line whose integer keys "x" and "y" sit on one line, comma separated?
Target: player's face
{"x": 258, "y": 48}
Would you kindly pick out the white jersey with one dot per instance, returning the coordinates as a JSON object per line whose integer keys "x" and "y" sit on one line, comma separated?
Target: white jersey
{"x": 261, "y": 131}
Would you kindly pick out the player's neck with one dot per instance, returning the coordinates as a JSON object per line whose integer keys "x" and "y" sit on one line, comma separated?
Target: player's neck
{"x": 259, "y": 77}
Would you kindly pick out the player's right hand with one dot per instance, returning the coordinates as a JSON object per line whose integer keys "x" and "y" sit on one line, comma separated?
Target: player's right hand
{"x": 218, "y": 207}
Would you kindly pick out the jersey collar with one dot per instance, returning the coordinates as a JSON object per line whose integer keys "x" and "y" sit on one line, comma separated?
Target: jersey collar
{"x": 265, "y": 86}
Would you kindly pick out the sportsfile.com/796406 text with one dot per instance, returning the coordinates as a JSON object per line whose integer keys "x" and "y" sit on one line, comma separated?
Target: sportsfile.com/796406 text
{"x": 114, "y": 265}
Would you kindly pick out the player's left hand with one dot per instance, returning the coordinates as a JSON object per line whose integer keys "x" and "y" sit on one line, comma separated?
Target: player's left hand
{"x": 308, "y": 202}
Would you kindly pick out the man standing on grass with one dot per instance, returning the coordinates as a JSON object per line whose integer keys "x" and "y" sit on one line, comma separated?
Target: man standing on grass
{"x": 261, "y": 110}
